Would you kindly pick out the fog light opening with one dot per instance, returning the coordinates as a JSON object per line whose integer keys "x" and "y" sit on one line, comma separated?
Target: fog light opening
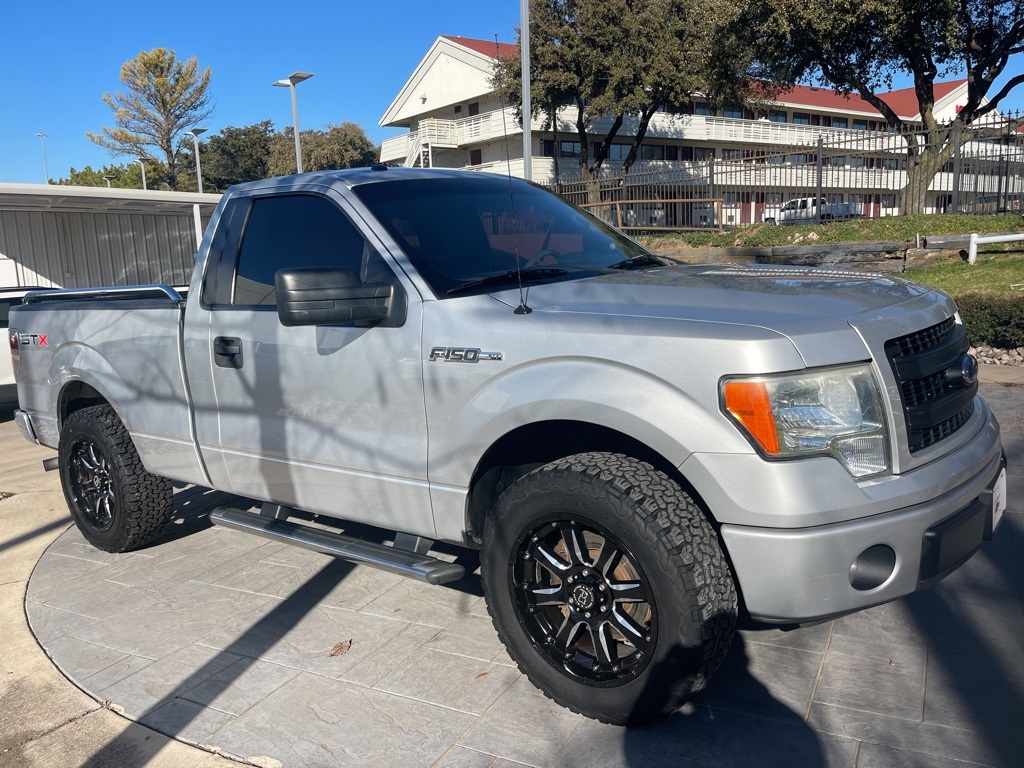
{"x": 873, "y": 567}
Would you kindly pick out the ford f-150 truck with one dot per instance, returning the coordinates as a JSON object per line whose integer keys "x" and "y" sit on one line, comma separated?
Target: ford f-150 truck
{"x": 640, "y": 450}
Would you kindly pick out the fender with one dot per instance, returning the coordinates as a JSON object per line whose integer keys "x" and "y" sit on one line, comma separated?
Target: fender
{"x": 622, "y": 398}
{"x": 161, "y": 434}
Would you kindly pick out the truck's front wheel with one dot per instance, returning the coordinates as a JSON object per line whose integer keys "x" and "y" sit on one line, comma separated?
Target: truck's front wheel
{"x": 608, "y": 587}
{"x": 116, "y": 504}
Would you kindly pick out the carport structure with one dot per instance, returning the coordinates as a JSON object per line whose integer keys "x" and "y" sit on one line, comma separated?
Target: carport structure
{"x": 80, "y": 237}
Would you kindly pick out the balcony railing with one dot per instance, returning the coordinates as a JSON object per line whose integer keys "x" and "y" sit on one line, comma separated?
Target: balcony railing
{"x": 698, "y": 128}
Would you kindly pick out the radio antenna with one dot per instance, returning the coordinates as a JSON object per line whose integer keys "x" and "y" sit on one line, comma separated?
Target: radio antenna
{"x": 522, "y": 309}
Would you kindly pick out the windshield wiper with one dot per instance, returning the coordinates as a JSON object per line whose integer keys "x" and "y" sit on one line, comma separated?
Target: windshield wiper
{"x": 512, "y": 277}
{"x": 643, "y": 261}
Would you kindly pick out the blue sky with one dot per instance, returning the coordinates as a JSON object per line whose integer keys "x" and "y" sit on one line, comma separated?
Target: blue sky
{"x": 60, "y": 56}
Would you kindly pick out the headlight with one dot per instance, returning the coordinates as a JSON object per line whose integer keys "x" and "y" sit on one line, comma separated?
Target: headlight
{"x": 832, "y": 411}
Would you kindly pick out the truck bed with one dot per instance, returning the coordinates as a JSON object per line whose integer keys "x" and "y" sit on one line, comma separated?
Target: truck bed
{"x": 126, "y": 341}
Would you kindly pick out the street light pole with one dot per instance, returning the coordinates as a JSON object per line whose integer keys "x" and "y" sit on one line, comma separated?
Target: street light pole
{"x": 292, "y": 80}
{"x": 194, "y": 133}
{"x": 108, "y": 178}
{"x": 142, "y": 165}
{"x": 46, "y": 172}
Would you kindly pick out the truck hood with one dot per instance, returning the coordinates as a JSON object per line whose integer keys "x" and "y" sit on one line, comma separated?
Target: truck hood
{"x": 811, "y": 306}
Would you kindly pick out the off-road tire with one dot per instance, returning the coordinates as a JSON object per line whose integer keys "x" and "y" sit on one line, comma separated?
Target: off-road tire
{"x": 116, "y": 504}
{"x": 691, "y": 596}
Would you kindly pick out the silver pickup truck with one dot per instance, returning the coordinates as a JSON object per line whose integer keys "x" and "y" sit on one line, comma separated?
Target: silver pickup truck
{"x": 641, "y": 451}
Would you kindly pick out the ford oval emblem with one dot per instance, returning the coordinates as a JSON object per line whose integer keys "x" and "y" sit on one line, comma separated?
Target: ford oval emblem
{"x": 964, "y": 372}
{"x": 969, "y": 369}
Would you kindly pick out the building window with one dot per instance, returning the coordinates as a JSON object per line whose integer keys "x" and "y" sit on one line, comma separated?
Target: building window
{"x": 801, "y": 118}
{"x": 652, "y": 152}
{"x": 458, "y": 109}
{"x": 547, "y": 148}
{"x": 860, "y": 125}
{"x": 734, "y": 112}
{"x": 703, "y": 109}
{"x": 672, "y": 153}
{"x": 476, "y": 157}
{"x": 798, "y": 159}
{"x": 703, "y": 153}
{"x": 570, "y": 149}
{"x": 835, "y": 160}
{"x": 618, "y": 151}
{"x": 840, "y": 122}
{"x": 777, "y": 116}
{"x": 856, "y": 162}
{"x": 732, "y": 154}
{"x": 888, "y": 201}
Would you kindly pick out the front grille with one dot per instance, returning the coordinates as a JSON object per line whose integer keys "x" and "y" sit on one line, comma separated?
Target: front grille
{"x": 920, "y": 341}
{"x": 923, "y": 390}
{"x": 935, "y": 405}
{"x": 946, "y": 428}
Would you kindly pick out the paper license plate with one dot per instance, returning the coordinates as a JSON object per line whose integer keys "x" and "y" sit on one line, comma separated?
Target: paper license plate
{"x": 998, "y": 499}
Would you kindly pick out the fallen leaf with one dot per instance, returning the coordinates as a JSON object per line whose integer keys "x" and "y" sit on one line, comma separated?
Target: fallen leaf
{"x": 341, "y": 648}
{"x": 482, "y": 674}
{"x": 892, "y": 663}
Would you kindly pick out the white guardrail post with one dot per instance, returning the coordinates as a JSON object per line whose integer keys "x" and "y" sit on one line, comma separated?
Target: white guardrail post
{"x": 976, "y": 240}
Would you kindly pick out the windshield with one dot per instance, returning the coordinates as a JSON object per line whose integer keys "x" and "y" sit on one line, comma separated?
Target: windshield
{"x": 468, "y": 234}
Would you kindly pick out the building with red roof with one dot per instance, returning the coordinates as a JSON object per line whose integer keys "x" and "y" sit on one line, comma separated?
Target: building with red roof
{"x": 453, "y": 118}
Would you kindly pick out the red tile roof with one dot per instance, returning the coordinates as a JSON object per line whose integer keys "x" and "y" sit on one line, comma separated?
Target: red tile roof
{"x": 903, "y": 102}
{"x": 486, "y": 47}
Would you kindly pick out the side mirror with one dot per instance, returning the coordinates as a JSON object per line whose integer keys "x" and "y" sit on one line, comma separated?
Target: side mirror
{"x": 330, "y": 296}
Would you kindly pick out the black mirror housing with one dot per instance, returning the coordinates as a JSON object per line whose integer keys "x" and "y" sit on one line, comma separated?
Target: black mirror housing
{"x": 332, "y": 296}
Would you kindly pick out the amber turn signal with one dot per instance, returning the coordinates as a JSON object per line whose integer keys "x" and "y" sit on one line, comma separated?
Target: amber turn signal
{"x": 749, "y": 403}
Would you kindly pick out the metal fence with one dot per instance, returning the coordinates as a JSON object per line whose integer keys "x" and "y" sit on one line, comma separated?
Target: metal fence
{"x": 854, "y": 173}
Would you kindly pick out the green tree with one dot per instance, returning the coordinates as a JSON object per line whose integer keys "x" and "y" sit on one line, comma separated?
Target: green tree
{"x": 859, "y": 45}
{"x": 618, "y": 62}
{"x": 126, "y": 176}
{"x": 339, "y": 146}
{"x": 163, "y": 98}
{"x": 236, "y": 155}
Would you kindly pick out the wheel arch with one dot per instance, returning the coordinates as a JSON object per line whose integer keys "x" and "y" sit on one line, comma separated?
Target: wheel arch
{"x": 76, "y": 395}
{"x": 520, "y": 451}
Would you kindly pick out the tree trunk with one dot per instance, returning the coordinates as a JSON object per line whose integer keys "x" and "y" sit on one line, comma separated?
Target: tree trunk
{"x": 923, "y": 164}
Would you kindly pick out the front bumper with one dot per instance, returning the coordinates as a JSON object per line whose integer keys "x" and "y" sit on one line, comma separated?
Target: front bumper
{"x": 796, "y": 575}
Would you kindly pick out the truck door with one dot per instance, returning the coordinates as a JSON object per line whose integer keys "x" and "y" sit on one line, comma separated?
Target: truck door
{"x": 328, "y": 419}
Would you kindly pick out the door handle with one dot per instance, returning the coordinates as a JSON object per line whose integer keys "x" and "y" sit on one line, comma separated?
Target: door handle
{"x": 227, "y": 351}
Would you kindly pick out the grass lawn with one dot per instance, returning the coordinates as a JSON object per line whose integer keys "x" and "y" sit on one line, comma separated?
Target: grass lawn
{"x": 901, "y": 228}
{"x": 994, "y": 273}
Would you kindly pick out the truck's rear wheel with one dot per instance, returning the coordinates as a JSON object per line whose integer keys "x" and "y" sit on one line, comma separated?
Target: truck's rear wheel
{"x": 608, "y": 587}
{"x": 116, "y": 504}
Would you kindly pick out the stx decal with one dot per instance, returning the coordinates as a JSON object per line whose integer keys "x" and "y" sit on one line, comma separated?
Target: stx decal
{"x": 463, "y": 354}
{"x": 33, "y": 339}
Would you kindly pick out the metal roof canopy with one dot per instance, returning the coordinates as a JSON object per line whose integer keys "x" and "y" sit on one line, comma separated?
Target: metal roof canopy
{"x": 57, "y": 197}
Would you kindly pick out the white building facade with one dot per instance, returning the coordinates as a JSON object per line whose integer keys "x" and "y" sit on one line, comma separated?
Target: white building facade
{"x": 806, "y": 141}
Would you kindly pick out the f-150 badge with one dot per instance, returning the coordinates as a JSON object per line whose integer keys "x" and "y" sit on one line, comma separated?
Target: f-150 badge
{"x": 463, "y": 354}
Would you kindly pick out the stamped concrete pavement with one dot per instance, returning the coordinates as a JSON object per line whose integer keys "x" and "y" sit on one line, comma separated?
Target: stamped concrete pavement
{"x": 276, "y": 656}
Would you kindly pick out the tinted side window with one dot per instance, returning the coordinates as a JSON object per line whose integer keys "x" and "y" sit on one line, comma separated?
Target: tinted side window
{"x": 298, "y": 231}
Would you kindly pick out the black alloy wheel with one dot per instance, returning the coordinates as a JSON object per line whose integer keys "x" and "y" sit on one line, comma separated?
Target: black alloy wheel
{"x": 92, "y": 484}
{"x": 584, "y": 601}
